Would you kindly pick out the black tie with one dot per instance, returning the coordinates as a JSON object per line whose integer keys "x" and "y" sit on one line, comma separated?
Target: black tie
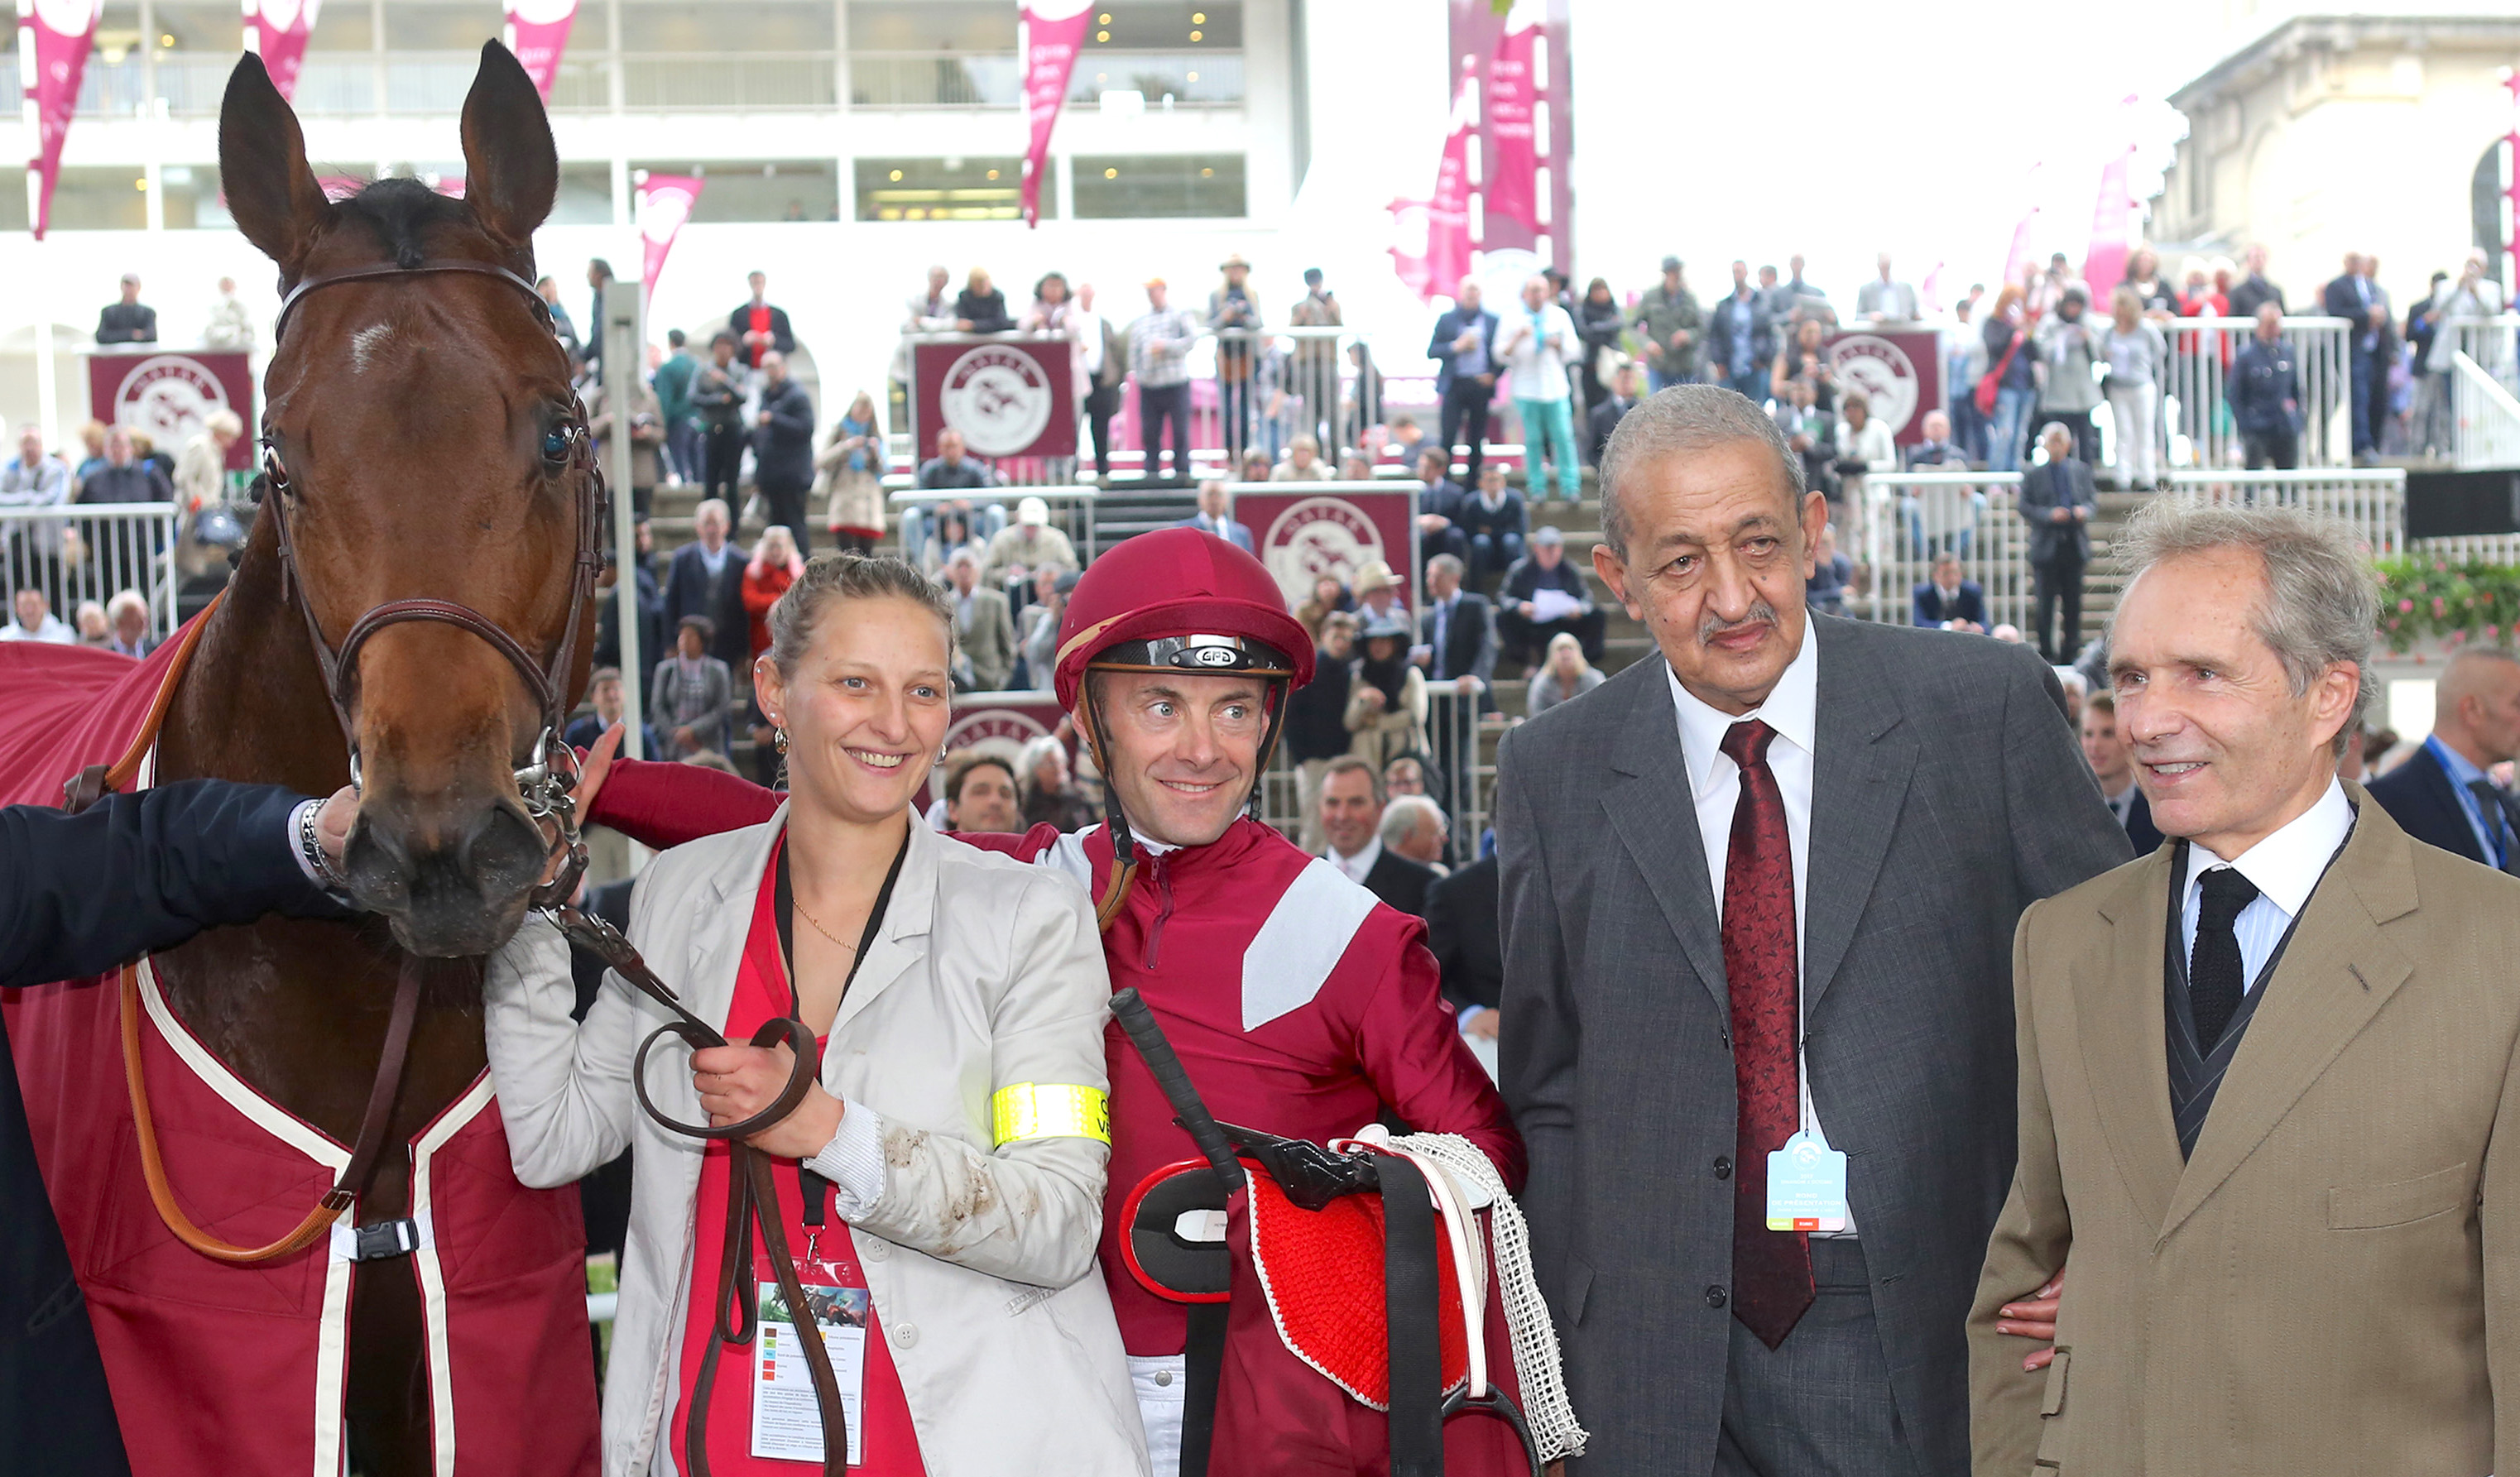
{"x": 2498, "y": 821}
{"x": 2214, "y": 969}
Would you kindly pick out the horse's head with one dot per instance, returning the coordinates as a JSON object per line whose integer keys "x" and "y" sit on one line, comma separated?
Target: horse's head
{"x": 425, "y": 445}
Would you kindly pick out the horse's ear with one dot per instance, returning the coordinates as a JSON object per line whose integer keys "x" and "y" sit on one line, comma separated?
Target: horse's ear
{"x": 511, "y": 166}
{"x": 271, "y": 189}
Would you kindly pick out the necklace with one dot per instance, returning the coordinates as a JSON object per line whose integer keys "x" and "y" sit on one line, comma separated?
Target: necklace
{"x": 824, "y": 932}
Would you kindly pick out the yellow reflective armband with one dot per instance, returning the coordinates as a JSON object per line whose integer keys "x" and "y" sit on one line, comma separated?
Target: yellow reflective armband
{"x": 1049, "y": 1111}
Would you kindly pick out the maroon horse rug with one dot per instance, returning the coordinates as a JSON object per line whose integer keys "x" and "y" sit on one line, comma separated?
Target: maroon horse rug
{"x": 217, "y": 1368}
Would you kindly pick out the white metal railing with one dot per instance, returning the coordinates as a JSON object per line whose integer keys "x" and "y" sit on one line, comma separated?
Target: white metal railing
{"x": 2199, "y": 427}
{"x": 2492, "y": 344}
{"x": 92, "y": 552}
{"x": 2485, "y": 427}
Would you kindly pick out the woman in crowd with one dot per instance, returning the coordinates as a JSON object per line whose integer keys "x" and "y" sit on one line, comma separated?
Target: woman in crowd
{"x": 1601, "y": 325}
{"x": 1303, "y": 462}
{"x": 949, "y": 531}
{"x": 851, "y": 467}
{"x": 1255, "y": 465}
{"x": 1803, "y": 359}
{"x": 1566, "y": 675}
{"x": 2138, "y": 361}
{"x": 982, "y": 308}
{"x": 775, "y": 566}
{"x": 689, "y": 694}
{"x": 1037, "y": 626}
{"x": 951, "y": 991}
{"x": 2013, "y": 366}
{"x": 1386, "y": 705}
{"x": 2151, "y": 290}
{"x": 1050, "y": 796}
{"x": 1329, "y": 595}
{"x": 1862, "y": 447}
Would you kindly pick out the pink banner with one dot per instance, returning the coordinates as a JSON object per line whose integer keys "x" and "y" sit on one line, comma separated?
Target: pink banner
{"x": 665, "y": 202}
{"x": 276, "y": 31}
{"x": 1054, "y": 31}
{"x": 63, "y": 29}
{"x": 1432, "y": 253}
{"x": 1512, "y": 183}
{"x": 538, "y": 33}
{"x": 2112, "y": 214}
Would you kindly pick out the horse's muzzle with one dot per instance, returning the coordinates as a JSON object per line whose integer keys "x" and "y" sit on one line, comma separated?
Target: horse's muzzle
{"x": 452, "y": 879}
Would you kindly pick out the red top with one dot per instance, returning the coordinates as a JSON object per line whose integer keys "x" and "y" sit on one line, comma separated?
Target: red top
{"x": 889, "y": 1444}
{"x": 756, "y": 320}
{"x": 763, "y": 584}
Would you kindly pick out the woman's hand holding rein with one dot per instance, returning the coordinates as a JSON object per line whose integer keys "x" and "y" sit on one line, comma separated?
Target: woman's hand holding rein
{"x": 736, "y": 1082}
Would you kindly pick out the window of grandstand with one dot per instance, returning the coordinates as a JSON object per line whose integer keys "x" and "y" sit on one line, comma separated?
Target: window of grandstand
{"x": 1147, "y": 186}
{"x": 971, "y": 187}
{"x": 107, "y": 197}
{"x": 933, "y": 54}
{"x": 757, "y": 190}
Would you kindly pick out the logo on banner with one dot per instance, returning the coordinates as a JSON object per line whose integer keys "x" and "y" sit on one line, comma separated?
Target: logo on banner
{"x": 999, "y": 733}
{"x": 998, "y": 398}
{"x": 1881, "y": 370}
{"x": 169, "y": 397}
{"x": 1317, "y": 537}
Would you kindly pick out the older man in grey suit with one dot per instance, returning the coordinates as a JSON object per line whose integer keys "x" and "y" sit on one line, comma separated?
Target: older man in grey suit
{"x": 1791, "y": 828}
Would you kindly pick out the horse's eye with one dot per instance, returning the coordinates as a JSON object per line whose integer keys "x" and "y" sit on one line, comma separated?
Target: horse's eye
{"x": 556, "y": 446}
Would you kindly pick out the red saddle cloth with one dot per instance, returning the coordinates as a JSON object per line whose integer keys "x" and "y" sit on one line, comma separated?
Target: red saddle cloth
{"x": 217, "y": 1370}
{"x": 1323, "y": 1273}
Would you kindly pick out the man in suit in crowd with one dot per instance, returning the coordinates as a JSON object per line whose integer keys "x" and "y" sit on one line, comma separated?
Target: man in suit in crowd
{"x": 984, "y": 632}
{"x": 1215, "y": 515}
{"x": 1456, "y": 631}
{"x": 129, "y": 321}
{"x": 1741, "y": 336}
{"x": 2351, "y": 294}
{"x": 1945, "y": 601}
{"x": 760, "y": 327}
{"x": 1882, "y": 300}
{"x": 1105, "y": 362}
{"x": 1767, "y": 836}
{"x": 706, "y": 578}
{"x": 2112, "y": 763}
{"x": 782, "y": 449}
{"x": 1462, "y": 934}
{"x": 2264, "y": 393}
{"x": 1495, "y": 523}
{"x": 1442, "y": 506}
{"x": 1351, "y": 809}
{"x": 2441, "y": 794}
{"x": 2057, "y": 501}
{"x": 2267, "y": 1077}
{"x": 2254, "y": 291}
{"x": 1463, "y": 349}
{"x": 1543, "y": 595}
{"x": 1605, "y": 417}
{"x": 1413, "y": 828}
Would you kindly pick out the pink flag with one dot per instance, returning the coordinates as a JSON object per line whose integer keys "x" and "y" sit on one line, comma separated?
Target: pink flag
{"x": 1433, "y": 252}
{"x": 1053, "y": 33}
{"x": 2112, "y": 214}
{"x": 63, "y": 32}
{"x": 1512, "y": 183}
{"x": 538, "y": 32}
{"x": 276, "y": 31}
{"x": 665, "y": 202}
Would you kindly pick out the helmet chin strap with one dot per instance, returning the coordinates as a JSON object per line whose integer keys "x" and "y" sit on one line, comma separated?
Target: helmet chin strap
{"x": 1124, "y": 843}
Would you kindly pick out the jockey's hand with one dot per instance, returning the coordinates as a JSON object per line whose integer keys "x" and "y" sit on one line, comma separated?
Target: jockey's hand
{"x": 2035, "y": 1316}
{"x": 736, "y": 1082}
{"x": 333, "y": 821}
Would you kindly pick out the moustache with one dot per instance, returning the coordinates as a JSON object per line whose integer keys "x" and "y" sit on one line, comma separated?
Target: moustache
{"x": 1760, "y": 614}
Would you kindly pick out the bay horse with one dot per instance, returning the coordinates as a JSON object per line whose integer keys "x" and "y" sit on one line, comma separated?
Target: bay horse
{"x": 425, "y": 452}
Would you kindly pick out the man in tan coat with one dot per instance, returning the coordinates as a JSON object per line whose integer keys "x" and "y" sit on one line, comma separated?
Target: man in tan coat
{"x": 2267, "y": 1102}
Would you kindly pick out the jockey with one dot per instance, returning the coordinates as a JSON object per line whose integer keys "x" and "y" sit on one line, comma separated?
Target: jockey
{"x": 1298, "y": 1003}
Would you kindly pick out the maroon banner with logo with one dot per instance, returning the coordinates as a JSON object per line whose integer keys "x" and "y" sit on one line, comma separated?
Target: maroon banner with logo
{"x": 665, "y": 202}
{"x": 1054, "y": 31}
{"x": 63, "y": 32}
{"x": 169, "y": 397}
{"x": 1000, "y": 724}
{"x": 1332, "y": 529}
{"x": 1008, "y": 397}
{"x": 276, "y": 31}
{"x": 1513, "y": 164}
{"x": 1901, "y": 371}
{"x": 538, "y": 33}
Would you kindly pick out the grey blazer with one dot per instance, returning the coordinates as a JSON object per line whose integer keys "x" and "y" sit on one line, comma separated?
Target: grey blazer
{"x": 2044, "y": 489}
{"x": 1949, "y": 794}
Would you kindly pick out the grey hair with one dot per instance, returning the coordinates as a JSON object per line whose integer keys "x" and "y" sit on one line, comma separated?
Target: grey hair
{"x": 1448, "y": 563}
{"x": 831, "y": 577}
{"x": 1400, "y": 818}
{"x": 2322, "y": 600}
{"x": 1688, "y": 418}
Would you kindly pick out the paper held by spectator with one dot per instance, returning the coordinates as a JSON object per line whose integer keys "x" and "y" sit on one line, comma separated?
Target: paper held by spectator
{"x": 1553, "y": 604}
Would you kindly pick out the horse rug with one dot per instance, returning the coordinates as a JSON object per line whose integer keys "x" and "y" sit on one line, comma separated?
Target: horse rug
{"x": 218, "y": 1370}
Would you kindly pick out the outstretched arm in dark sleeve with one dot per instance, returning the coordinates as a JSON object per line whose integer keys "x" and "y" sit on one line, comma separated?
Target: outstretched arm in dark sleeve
{"x": 81, "y": 894}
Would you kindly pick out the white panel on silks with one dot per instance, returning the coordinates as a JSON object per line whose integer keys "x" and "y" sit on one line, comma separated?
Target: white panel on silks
{"x": 1306, "y": 935}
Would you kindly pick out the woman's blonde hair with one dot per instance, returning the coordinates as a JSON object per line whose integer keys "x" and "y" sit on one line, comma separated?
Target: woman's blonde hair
{"x": 833, "y": 577}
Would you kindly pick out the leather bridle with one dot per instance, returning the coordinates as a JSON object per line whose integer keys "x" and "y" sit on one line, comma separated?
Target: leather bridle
{"x": 544, "y": 781}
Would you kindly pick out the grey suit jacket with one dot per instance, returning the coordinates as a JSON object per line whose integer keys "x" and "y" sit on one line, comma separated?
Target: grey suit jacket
{"x": 2044, "y": 489}
{"x": 988, "y": 643}
{"x": 1949, "y": 794}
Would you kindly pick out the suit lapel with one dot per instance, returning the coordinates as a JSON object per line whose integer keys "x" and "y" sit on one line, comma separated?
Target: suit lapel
{"x": 909, "y": 917}
{"x": 2334, "y": 977}
{"x": 2117, "y": 1015}
{"x": 1657, "y": 819}
{"x": 1858, "y": 780}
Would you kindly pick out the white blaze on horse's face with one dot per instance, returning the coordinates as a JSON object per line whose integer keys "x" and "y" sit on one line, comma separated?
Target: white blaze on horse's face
{"x": 431, "y": 468}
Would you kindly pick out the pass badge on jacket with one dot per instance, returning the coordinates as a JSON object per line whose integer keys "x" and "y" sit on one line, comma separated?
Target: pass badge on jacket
{"x": 1807, "y": 1186}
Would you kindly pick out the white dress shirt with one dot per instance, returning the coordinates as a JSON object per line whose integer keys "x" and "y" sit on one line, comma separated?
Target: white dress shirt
{"x": 1356, "y": 866}
{"x": 2286, "y": 867}
{"x": 1792, "y": 709}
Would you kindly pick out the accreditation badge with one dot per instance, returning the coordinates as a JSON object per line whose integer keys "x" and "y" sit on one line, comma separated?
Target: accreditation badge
{"x": 1807, "y": 1186}
{"x": 786, "y": 1423}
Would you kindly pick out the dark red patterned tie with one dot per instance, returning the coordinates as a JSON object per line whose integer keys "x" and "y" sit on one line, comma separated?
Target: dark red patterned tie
{"x": 1771, "y": 1273}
